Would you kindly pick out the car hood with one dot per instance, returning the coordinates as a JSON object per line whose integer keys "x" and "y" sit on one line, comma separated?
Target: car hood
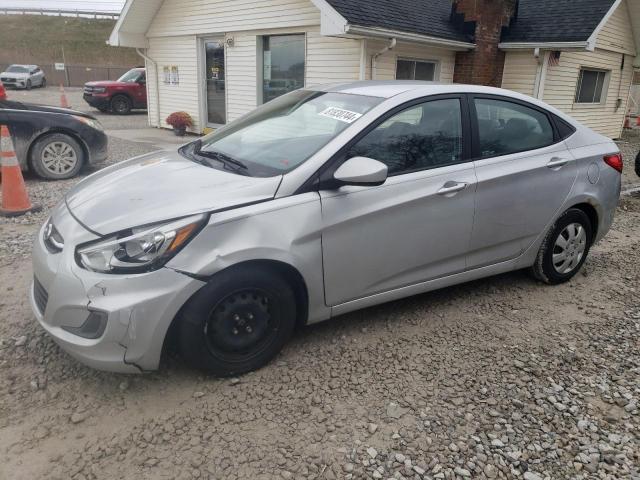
{"x": 14, "y": 75}
{"x": 46, "y": 108}
{"x": 160, "y": 186}
{"x": 107, "y": 83}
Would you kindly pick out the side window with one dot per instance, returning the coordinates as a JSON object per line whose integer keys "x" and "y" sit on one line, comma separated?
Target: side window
{"x": 507, "y": 127}
{"x": 424, "y": 136}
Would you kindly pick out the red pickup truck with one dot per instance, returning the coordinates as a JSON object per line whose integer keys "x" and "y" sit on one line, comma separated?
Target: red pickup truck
{"x": 121, "y": 96}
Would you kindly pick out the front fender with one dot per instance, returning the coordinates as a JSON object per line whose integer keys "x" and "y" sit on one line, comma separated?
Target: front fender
{"x": 286, "y": 230}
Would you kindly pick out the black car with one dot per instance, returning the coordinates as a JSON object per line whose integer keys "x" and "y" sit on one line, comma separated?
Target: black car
{"x": 55, "y": 143}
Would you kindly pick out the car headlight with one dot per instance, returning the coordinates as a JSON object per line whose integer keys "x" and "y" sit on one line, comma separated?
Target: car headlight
{"x": 139, "y": 250}
{"x": 95, "y": 124}
{"x": 99, "y": 89}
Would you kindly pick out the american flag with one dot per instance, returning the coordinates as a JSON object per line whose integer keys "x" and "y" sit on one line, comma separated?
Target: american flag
{"x": 554, "y": 58}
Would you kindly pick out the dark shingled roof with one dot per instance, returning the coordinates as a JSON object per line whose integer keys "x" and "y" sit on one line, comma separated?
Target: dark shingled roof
{"x": 556, "y": 20}
{"x": 424, "y": 17}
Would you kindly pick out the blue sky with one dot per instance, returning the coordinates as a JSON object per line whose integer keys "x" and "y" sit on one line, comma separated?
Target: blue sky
{"x": 101, "y": 5}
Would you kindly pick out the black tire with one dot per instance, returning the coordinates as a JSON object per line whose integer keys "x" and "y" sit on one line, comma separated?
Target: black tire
{"x": 44, "y": 83}
{"x": 121, "y": 105}
{"x": 544, "y": 269}
{"x": 638, "y": 164}
{"x": 28, "y": 85}
{"x": 238, "y": 322}
{"x": 103, "y": 109}
{"x": 57, "y": 141}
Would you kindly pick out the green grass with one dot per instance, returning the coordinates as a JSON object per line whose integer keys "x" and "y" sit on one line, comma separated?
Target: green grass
{"x": 40, "y": 40}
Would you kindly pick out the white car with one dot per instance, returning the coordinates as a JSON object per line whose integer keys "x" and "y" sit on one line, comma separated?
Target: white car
{"x": 23, "y": 76}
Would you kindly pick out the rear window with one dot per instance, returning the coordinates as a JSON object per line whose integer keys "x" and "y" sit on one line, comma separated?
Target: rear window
{"x": 565, "y": 130}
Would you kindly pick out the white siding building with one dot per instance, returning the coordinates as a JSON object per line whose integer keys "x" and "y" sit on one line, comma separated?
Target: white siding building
{"x": 219, "y": 59}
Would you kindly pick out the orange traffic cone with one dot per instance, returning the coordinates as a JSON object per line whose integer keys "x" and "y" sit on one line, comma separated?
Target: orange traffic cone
{"x": 15, "y": 200}
{"x": 63, "y": 98}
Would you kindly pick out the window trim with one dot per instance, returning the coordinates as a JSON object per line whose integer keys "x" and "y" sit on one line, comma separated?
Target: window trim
{"x": 436, "y": 67}
{"x": 260, "y": 61}
{"x": 475, "y": 129}
{"x": 323, "y": 178}
{"x": 605, "y": 86}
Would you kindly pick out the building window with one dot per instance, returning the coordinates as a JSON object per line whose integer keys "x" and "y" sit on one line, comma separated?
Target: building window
{"x": 282, "y": 65}
{"x": 592, "y": 86}
{"x": 415, "y": 70}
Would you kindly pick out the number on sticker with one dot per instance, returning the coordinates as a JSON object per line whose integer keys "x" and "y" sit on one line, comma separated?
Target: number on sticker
{"x": 340, "y": 114}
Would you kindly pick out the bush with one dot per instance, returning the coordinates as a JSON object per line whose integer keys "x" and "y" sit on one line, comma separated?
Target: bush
{"x": 179, "y": 120}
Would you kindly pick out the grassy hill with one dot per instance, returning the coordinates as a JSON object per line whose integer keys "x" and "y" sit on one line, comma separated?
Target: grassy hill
{"x": 41, "y": 39}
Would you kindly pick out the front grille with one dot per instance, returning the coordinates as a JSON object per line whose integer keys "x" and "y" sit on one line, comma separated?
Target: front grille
{"x": 7, "y": 79}
{"x": 88, "y": 89}
{"x": 40, "y": 295}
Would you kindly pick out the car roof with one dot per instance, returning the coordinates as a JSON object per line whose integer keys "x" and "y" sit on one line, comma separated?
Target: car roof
{"x": 391, "y": 88}
{"x": 22, "y": 65}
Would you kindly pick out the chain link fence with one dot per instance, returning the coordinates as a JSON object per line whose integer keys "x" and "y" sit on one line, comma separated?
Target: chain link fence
{"x": 78, "y": 75}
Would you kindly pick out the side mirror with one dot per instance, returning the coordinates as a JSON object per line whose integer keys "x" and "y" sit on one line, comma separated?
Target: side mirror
{"x": 362, "y": 171}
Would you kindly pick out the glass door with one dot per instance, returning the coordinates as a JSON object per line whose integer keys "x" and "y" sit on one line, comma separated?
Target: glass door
{"x": 215, "y": 78}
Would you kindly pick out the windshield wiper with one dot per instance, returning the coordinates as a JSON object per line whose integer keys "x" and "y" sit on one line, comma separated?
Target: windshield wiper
{"x": 219, "y": 156}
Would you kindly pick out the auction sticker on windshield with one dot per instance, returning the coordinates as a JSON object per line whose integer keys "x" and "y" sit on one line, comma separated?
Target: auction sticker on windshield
{"x": 340, "y": 114}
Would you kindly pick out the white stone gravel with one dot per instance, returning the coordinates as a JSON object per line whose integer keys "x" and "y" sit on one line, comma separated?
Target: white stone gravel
{"x": 501, "y": 378}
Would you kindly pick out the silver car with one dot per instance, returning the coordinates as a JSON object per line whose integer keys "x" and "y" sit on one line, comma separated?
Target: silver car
{"x": 321, "y": 202}
{"x": 23, "y": 76}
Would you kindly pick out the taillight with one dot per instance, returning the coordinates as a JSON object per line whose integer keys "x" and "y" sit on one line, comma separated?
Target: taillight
{"x": 614, "y": 161}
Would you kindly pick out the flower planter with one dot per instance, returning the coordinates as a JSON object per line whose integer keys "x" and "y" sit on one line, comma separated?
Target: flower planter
{"x": 180, "y": 131}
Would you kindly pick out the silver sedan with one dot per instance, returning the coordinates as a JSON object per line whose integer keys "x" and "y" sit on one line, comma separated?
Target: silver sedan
{"x": 321, "y": 202}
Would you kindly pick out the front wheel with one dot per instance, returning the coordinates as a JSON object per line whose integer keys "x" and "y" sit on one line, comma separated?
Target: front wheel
{"x": 121, "y": 105}
{"x": 28, "y": 85}
{"x": 44, "y": 83}
{"x": 238, "y": 322}
{"x": 565, "y": 248}
{"x": 57, "y": 157}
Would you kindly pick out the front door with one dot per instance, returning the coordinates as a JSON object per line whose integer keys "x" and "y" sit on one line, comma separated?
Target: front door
{"x": 415, "y": 227}
{"x": 215, "y": 81}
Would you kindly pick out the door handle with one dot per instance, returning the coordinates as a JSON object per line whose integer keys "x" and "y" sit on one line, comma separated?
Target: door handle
{"x": 557, "y": 162}
{"x": 452, "y": 187}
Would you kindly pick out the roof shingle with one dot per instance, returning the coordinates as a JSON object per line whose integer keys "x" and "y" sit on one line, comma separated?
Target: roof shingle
{"x": 556, "y": 20}
{"x": 423, "y": 17}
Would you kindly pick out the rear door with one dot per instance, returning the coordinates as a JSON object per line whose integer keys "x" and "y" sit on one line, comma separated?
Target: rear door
{"x": 416, "y": 226}
{"x": 525, "y": 172}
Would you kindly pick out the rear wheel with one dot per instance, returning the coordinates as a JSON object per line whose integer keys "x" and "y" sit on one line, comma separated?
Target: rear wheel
{"x": 57, "y": 156}
{"x": 238, "y": 322}
{"x": 121, "y": 104}
{"x": 565, "y": 248}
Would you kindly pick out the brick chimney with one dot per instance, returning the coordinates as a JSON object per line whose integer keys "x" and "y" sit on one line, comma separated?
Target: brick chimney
{"x": 484, "y": 19}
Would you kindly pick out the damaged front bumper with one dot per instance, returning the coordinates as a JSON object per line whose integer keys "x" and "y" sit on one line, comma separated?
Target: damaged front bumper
{"x": 134, "y": 312}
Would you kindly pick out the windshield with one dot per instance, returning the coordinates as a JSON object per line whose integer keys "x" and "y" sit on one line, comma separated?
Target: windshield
{"x": 284, "y": 133}
{"x": 131, "y": 76}
{"x": 17, "y": 69}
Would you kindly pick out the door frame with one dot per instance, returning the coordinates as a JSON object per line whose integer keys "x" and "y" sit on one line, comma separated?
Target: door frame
{"x": 202, "y": 81}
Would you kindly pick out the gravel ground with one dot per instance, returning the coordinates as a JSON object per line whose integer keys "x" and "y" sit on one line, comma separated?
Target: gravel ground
{"x": 500, "y": 378}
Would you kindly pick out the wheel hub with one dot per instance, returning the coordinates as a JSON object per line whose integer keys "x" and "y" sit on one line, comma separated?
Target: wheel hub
{"x": 239, "y": 322}
{"x": 59, "y": 157}
{"x": 569, "y": 248}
